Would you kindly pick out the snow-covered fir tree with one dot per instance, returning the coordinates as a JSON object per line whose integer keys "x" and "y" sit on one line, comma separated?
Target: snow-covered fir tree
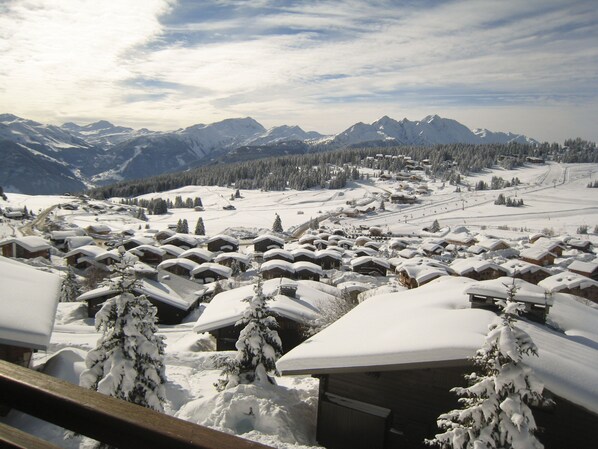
{"x": 182, "y": 226}
{"x": 435, "y": 226}
{"x": 199, "y": 227}
{"x": 258, "y": 346}
{"x": 277, "y": 225}
{"x": 69, "y": 290}
{"x": 496, "y": 411}
{"x": 128, "y": 361}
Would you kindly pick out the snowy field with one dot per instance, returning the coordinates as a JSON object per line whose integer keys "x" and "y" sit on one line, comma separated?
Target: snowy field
{"x": 555, "y": 198}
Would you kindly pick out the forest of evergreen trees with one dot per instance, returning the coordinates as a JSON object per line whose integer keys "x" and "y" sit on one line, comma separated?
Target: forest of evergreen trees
{"x": 333, "y": 169}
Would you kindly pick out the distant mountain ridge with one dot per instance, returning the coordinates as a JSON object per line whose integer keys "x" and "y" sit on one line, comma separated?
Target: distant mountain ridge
{"x": 72, "y": 156}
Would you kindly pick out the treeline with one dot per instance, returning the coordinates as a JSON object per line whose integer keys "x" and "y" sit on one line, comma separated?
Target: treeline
{"x": 333, "y": 169}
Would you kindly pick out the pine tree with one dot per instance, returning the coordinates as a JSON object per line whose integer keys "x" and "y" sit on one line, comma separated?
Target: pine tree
{"x": 382, "y": 206}
{"x": 2, "y": 194}
{"x": 69, "y": 291}
{"x": 127, "y": 362}
{"x": 199, "y": 227}
{"x": 237, "y": 194}
{"x": 277, "y": 225}
{"x": 495, "y": 411}
{"x": 182, "y": 226}
{"x": 435, "y": 226}
{"x": 258, "y": 346}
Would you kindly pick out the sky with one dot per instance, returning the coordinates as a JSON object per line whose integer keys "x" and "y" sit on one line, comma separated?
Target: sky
{"x": 528, "y": 67}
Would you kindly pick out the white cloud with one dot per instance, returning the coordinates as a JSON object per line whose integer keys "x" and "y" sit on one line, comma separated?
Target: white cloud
{"x": 323, "y": 65}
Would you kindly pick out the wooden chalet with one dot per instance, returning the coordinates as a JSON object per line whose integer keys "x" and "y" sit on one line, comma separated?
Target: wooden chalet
{"x": 184, "y": 241}
{"x": 267, "y": 242}
{"x": 385, "y": 385}
{"x": 307, "y": 271}
{"x": 160, "y": 236}
{"x": 554, "y": 246}
{"x": 537, "y": 300}
{"x": 277, "y": 268}
{"x": 526, "y": 271}
{"x": 223, "y": 243}
{"x": 478, "y": 270}
{"x": 493, "y": 244}
{"x": 303, "y": 255}
{"x": 134, "y": 242}
{"x": 98, "y": 229}
{"x": 329, "y": 259}
{"x": 580, "y": 245}
{"x": 572, "y": 283}
{"x": 171, "y": 251}
{"x": 59, "y": 238}
{"x": 397, "y": 244}
{"x": 418, "y": 271}
{"x": 178, "y": 266}
{"x": 402, "y": 198}
{"x": 538, "y": 256}
{"x": 278, "y": 254}
{"x": 210, "y": 272}
{"x": 294, "y": 305}
{"x": 27, "y": 247}
{"x": 83, "y": 257}
{"x": 171, "y": 307}
{"x": 372, "y": 266}
{"x": 198, "y": 255}
{"x": 365, "y": 251}
{"x": 149, "y": 254}
{"x": 234, "y": 260}
{"x": 588, "y": 269}
{"x": 29, "y": 299}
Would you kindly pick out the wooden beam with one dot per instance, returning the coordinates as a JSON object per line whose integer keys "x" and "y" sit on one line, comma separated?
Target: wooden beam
{"x": 104, "y": 418}
{"x": 17, "y": 439}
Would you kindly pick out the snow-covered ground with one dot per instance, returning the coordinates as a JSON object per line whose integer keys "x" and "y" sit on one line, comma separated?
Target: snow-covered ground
{"x": 555, "y": 198}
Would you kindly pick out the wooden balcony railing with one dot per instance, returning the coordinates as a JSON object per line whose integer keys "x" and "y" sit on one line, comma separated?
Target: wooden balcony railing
{"x": 109, "y": 420}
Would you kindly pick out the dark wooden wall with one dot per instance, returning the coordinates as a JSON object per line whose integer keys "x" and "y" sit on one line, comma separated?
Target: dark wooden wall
{"x": 418, "y": 397}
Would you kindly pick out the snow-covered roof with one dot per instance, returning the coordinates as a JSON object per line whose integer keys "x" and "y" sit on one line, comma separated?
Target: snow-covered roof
{"x": 172, "y": 249}
{"x": 274, "y": 252}
{"x": 365, "y": 250}
{"x": 31, "y": 243}
{"x": 110, "y": 254}
{"x": 307, "y": 266}
{"x": 62, "y": 235}
{"x": 497, "y": 288}
{"x": 277, "y": 264}
{"x": 584, "y": 267}
{"x": 535, "y": 252}
{"x": 243, "y": 258}
{"x": 521, "y": 266}
{"x": 328, "y": 253}
{"x": 434, "y": 326}
{"x": 353, "y": 286}
{"x": 99, "y": 227}
{"x": 369, "y": 259}
{"x": 199, "y": 252}
{"x": 152, "y": 289}
{"x": 141, "y": 249}
{"x": 226, "y": 308}
{"x": 492, "y": 244}
{"x": 215, "y": 267}
{"x": 408, "y": 253}
{"x": 459, "y": 237}
{"x": 271, "y": 237}
{"x": 545, "y": 242}
{"x": 78, "y": 241}
{"x": 226, "y": 238}
{"x": 185, "y": 263}
{"x": 464, "y": 266}
{"x": 28, "y": 299}
{"x": 87, "y": 250}
{"x": 567, "y": 280}
{"x": 188, "y": 239}
{"x": 303, "y": 252}
{"x": 140, "y": 240}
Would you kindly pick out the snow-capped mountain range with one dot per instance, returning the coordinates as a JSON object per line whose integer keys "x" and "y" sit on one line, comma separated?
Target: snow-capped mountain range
{"x": 40, "y": 158}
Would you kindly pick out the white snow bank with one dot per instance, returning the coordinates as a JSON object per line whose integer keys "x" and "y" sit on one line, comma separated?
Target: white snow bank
{"x": 269, "y": 414}
{"x": 28, "y": 300}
